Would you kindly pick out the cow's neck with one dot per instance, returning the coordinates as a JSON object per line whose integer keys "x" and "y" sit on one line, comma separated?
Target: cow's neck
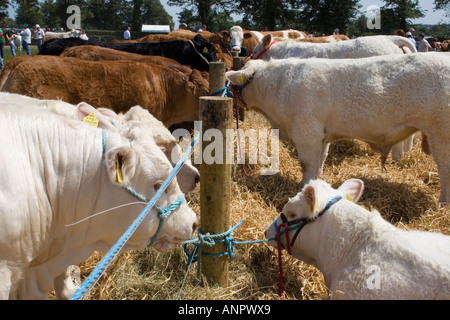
{"x": 336, "y": 238}
{"x": 276, "y": 118}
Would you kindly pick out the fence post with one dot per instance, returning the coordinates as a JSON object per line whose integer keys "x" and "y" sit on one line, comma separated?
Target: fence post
{"x": 215, "y": 178}
{"x": 238, "y": 63}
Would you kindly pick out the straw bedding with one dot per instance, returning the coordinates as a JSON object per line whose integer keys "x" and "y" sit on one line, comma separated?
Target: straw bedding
{"x": 405, "y": 194}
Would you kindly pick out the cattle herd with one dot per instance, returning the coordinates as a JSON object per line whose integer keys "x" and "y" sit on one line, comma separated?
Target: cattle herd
{"x": 83, "y": 122}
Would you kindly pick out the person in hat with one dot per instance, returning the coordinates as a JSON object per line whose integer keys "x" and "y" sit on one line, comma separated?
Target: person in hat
{"x": 183, "y": 26}
{"x": 26, "y": 39}
{"x": 39, "y": 34}
{"x": 411, "y": 38}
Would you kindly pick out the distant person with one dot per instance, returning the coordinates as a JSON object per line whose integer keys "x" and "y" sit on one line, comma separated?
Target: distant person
{"x": 183, "y": 26}
{"x": 312, "y": 34}
{"x": 410, "y": 37}
{"x": 400, "y": 32}
{"x": 2, "y": 44}
{"x": 39, "y": 35}
{"x": 336, "y": 32}
{"x": 83, "y": 35}
{"x": 203, "y": 28}
{"x": 127, "y": 33}
{"x": 26, "y": 39}
{"x": 423, "y": 45}
{"x": 10, "y": 37}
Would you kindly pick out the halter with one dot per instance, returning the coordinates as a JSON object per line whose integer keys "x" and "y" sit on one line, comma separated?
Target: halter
{"x": 298, "y": 224}
{"x": 264, "y": 51}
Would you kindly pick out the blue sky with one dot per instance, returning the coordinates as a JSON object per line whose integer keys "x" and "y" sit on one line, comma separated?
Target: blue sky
{"x": 431, "y": 17}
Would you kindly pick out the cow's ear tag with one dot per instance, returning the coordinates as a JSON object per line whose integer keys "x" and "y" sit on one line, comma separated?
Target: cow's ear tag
{"x": 317, "y": 206}
{"x": 119, "y": 175}
{"x": 205, "y": 50}
{"x": 239, "y": 79}
{"x": 91, "y": 119}
{"x": 349, "y": 197}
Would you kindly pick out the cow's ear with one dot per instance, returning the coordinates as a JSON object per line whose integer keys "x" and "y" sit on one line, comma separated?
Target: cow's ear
{"x": 267, "y": 40}
{"x": 92, "y": 116}
{"x": 353, "y": 189}
{"x": 239, "y": 77}
{"x": 121, "y": 164}
{"x": 310, "y": 197}
{"x": 248, "y": 35}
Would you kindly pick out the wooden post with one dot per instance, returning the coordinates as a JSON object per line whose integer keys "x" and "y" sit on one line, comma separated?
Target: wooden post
{"x": 238, "y": 63}
{"x": 215, "y": 179}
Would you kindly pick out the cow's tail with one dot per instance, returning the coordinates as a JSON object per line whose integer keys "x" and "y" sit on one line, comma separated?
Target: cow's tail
{"x": 405, "y": 44}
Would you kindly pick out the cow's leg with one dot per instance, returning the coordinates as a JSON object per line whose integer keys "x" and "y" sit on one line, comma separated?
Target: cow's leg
{"x": 312, "y": 151}
{"x": 439, "y": 148}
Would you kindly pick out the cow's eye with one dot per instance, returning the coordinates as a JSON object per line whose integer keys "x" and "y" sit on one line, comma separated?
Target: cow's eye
{"x": 157, "y": 186}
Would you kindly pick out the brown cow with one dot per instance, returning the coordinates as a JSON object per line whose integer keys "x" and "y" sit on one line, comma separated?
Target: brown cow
{"x": 96, "y": 53}
{"x": 170, "y": 95}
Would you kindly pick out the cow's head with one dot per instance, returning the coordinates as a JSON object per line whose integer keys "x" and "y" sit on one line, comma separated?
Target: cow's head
{"x": 206, "y": 50}
{"x": 314, "y": 199}
{"x": 242, "y": 76}
{"x": 133, "y": 160}
{"x": 189, "y": 176}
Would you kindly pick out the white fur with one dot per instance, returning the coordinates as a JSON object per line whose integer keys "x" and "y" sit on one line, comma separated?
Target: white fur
{"x": 54, "y": 173}
{"x": 381, "y": 100}
{"x": 356, "y": 48}
{"x": 361, "y": 255}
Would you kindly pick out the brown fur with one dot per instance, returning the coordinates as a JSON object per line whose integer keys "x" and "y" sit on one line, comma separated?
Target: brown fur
{"x": 171, "y": 96}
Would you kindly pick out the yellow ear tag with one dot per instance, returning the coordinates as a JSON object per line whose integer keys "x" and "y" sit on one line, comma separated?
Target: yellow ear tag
{"x": 349, "y": 197}
{"x": 205, "y": 50}
{"x": 119, "y": 176}
{"x": 91, "y": 119}
{"x": 317, "y": 206}
{"x": 240, "y": 79}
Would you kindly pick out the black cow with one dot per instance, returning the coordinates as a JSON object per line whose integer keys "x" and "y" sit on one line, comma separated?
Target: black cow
{"x": 196, "y": 53}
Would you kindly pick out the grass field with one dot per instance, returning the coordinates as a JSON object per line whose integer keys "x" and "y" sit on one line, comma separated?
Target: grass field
{"x": 7, "y": 52}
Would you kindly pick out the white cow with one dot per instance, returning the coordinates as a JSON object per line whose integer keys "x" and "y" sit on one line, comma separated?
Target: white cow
{"x": 188, "y": 176}
{"x": 63, "y": 35}
{"x": 361, "y": 255}
{"x": 18, "y": 42}
{"x": 355, "y": 48}
{"x": 58, "y": 171}
{"x": 380, "y": 100}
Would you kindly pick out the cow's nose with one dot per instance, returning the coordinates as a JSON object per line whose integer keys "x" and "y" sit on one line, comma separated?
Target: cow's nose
{"x": 197, "y": 179}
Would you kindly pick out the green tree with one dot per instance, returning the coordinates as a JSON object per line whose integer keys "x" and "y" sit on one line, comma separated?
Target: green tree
{"x": 136, "y": 18}
{"x": 153, "y": 12}
{"x": 49, "y": 14}
{"x": 396, "y": 14}
{"x": 326, "y": 15}
{"x": 4, "y": 4}
{"x": 269, "y": 14}
{"x": 29, "y": 12}
{"x": 198, "y": 12}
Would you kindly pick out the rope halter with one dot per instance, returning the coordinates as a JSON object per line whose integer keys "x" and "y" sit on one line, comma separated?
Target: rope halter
{"x": 298, "y": 224}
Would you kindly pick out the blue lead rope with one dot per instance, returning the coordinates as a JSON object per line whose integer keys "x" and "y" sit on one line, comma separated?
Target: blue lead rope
{"x": 92, "y": 279}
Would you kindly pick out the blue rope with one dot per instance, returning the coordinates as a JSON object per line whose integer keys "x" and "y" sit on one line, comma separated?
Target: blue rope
{"x": 225, "y": 91}
{"x": 113, "y": 252}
